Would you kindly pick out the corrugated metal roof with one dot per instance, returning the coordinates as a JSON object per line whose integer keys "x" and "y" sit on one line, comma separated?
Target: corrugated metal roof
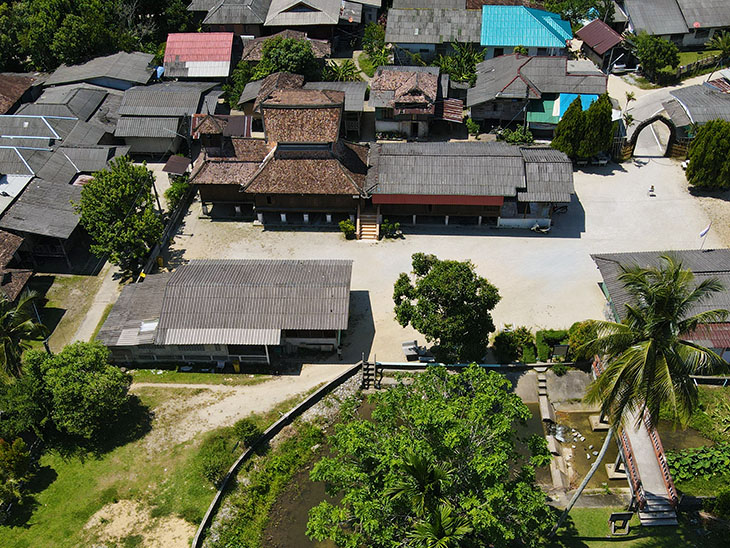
{"x": 433, "y": 26}
{"x": 354, "y": 92}
{"x": 708, "y": 13}
{"x": 598, "y": 36}
{"x": 211, "y": 300}
{"x": 703, "y": 103}
{"x": 657, "y": 17}
{"x": 140, "y": 126}
{"x": 429, "y": 4}
{"x": 131, "y": 67}
{"x": 677, "y": 113}
{"x": 165, "y": 99}
{"x": 510, "y": 26}
{"x": 198, "y": 54}
{"x": 296, "y": 13}
{"x": 549, "y": 175}
{"x": 712, "y": 335}
{"x": 250, "y": 91}
{"x": 233, "y": 12}
{"x": 708, "y": 263}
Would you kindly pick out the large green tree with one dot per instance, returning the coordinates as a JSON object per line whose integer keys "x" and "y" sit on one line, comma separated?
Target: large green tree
{"x": 87, "y": 395}
{"x": 597, "y": 128}
{"x": 118, "y": 210}
{"x": 654, "y": 53}
{"x": 709, "y": 151}
{"x": 449, "y": 304}
{"x": 570, "y": 130}
{"x": 648, "y": 361}
{"x": 287, "y": 55}
{"x": 15, "y": 470}
{"x": 18, "y": 327}
{"x": 437, "y": 464}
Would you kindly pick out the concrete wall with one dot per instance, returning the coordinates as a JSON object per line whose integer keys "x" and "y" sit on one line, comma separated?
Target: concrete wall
{"x": 522, "y": 223}
{"x": 403, "y": 127}
{"x": 499, "y": 109}
{"x": 152, "y": 145}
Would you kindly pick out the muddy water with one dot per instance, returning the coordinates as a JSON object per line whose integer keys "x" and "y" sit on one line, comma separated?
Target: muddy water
{"x": 675, "y": 439}
{"x": 534, "y": 426}
{"x": 580, "y": 461}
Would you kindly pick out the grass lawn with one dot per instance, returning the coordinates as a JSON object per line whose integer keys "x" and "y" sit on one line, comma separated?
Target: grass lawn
{"x": 68, "y": 300}
{"x": 687, "y": 57}
{"x": 164, "y": 376}
{"x": 366, "y": 65}
{"x": 588, "y": 527}
{"x": 70, "y": 490}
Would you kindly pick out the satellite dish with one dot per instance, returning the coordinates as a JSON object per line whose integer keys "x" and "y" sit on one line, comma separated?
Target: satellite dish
{"x": 696, "y": 24}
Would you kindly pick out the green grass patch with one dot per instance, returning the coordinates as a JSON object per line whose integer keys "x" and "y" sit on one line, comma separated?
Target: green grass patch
{"x": 104, "y": 316}
{"x": 366, "y": 65}
{"x": 178, "y": 377}
{"x": 687, "y": 57}
{"x": 712, "y": 419}
{"x": 588, "y": 527}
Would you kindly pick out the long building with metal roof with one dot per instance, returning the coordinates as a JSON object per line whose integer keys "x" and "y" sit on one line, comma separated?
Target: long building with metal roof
{"x": 231, "y": 311}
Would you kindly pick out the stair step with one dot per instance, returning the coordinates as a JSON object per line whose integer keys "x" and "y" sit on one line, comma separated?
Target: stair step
{"x": 659, "y": 522}
{"x": 658, "y": 515}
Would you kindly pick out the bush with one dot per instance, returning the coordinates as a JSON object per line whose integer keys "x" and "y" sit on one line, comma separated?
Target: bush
{"x": 348, "y": 229}
{"x": 215, "y": 458}
{"x": 389, "y": 230}
{"x": 472, "y": 126}
{"x": 246, "y": 431}
{"x": 559, "y": 369}
{"x": 579, "y": 334}
{"x": 175, "y": 193}
{"x": 506, "y": 347}
{"x": 704, "y": 462}
{"x": 373, "y": 38}
{"x": 519, "y": 136}
{"x": 708, "y": 167}
{"x": 546, "y": 339}
{"x": 721, "y": 508}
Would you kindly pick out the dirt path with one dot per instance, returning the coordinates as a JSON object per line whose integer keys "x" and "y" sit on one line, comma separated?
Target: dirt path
{"x": 208, "y": 406}
{"x": 108, "y": 293}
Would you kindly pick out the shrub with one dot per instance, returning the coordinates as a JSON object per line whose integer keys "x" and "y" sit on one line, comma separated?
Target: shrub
{"x": 722, "y": 503}
{"x": 519, "y": 136}
{"x": 348, "y": 229}
{"x": 389, "y": 230}
{"x": 214, "y": 458}
{"x": 560, "y": 369}
{"x": 472, "y": 126}
{"x": 246, "y": 431}
{"x": 373, "y": 38}
{"x": 177, "y": 190}
{"x": 703, "y": 462}
{"x": 579, "y": 334}
{"x": 546, "y": 339}
{"x": 506, "y": 347}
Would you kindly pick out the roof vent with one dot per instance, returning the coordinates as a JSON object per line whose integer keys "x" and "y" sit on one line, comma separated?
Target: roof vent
{"x": 415, "y": 32}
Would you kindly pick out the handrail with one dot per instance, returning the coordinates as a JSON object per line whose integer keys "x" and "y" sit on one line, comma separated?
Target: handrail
{"x": 632, "y": 468}
{"x": 661, "y": 457}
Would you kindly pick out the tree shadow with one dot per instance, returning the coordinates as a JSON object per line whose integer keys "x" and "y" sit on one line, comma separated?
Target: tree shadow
{"x": 21, "y": 512}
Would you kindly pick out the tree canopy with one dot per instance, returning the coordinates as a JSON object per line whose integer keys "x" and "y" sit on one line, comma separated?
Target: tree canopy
{"x": 18, "y": 326}
{"x": 437, "y": 464}
{"x": 281, "y": 54}
{"x": 577, "y": 11}
{"x": 118, "y": 211}
{"x": 582, "y": 134}
{"x": 708, "y": 156}
{"x": 449, "y": 304}
{"x": 648, "y": 361}
{"x": 570, "y": 129}
{"x": 41, "y": 34}
{"x": 461, "y": 64}
{"x": 654, "y": 53}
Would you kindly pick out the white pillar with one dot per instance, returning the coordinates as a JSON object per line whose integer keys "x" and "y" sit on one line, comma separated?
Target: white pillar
{"x": 306, "y": 218}
{"x": 414, "y": 219}
{"x": 480, "y": 220}
{"x": 283, "y": 217}
{"x": 205, "y": 209}
{"x": 446, "y": 219}
{"x": 329, "y": 218}
{"x": 352, "y": 218}
{"x": 260, "y": 217}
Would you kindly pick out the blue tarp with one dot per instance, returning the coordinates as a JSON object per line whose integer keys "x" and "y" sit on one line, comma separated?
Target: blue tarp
{"x": 566, "y": 98}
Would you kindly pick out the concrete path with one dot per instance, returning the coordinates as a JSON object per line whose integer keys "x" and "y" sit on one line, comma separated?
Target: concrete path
{"x": 107, "y": 294}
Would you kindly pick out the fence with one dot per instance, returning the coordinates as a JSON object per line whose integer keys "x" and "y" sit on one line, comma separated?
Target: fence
{"x": 267, "y": 436}
{"x": 698, "y": 66}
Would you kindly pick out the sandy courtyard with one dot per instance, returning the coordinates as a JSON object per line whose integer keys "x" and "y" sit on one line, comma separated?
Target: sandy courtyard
{"x": 544, "y": 280}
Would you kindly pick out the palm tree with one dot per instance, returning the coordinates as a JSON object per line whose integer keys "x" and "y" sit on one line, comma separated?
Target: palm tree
{"x": 346, "y": 71}
{"x": 721, "y": 41}
{"x": 423, "y": 483}
{"x": 17, "y": 327}
{"x": 648, "y": 363}
{"x": 441, "y": 530}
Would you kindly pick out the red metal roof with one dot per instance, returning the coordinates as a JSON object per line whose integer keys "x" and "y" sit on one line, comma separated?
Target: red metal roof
{"x": 714, "y": 335}
{"x": 451, "y": 110}
{"x": 199, "y": 46}
{"x": 598, "y": 36}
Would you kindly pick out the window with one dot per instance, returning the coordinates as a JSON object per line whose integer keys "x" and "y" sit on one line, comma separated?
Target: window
{"x": 702, "y": 33}
{"x": 498, "y": 52}
{"x": 268, "y": 200}
{"x": 542, "y": 51}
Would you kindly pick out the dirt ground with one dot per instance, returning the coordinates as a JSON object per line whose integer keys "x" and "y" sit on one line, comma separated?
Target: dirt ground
{"x": 126, "y": 518}
{"x": 204, "y": 407}
{"x": 546, "y": 281}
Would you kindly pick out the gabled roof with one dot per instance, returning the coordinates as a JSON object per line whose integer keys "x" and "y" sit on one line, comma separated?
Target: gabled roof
{"x": 252, "y": 301}
{"x": 705, "y": 264}
{"x": 12, "y": 280}
{"x": 703, "y": 103}
{"x": 164, "y": 99}
{"x": 354, "y": 92}
{"x": 433, "y": 26}
{"x": 198, "y": 54}
{"x": 220, "y": 124}
{"x": 260, "y": 90}
{"x": 397, "y": 87}
{"x": 12, "y": 88}
{"x": 708, "y": 13}
{"x": 253, "y": 50}
{"x": 510, "y": 26}
{"x": 656, "y": 17}
{"x": 232, "y": 12}
{"x": 130, "y": 67}
{"x": 517, "y": 77}
{"x": 598, "y": 36}
{"x": 303, "y": 115}
{"x": 79, "y": 102}
{"x": 288, "y": 13}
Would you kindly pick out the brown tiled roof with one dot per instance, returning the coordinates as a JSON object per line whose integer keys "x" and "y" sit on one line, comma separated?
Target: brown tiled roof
{"x": 303, "y": 116}
{"x": 253, "y": 50}
{"x": 12, "y": 280}
{"x": 9, "y": 244}
{"x": 341, "y": 171}
{"x": 236, "y": 166}
{"x": 411, "y": 90}
{"x": 278, "y": 80}
{"x": 251, "y": 150}
{"x": 221, "y": 124}
{"x": 12, "y": 88}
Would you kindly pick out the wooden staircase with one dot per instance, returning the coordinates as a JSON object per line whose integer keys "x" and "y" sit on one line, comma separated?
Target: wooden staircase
{"x": 367, "y": 226}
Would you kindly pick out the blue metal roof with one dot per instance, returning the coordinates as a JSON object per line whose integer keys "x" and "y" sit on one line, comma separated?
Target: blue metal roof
{"x": 566, "y": 99}
{"x": 520, "y": 26}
